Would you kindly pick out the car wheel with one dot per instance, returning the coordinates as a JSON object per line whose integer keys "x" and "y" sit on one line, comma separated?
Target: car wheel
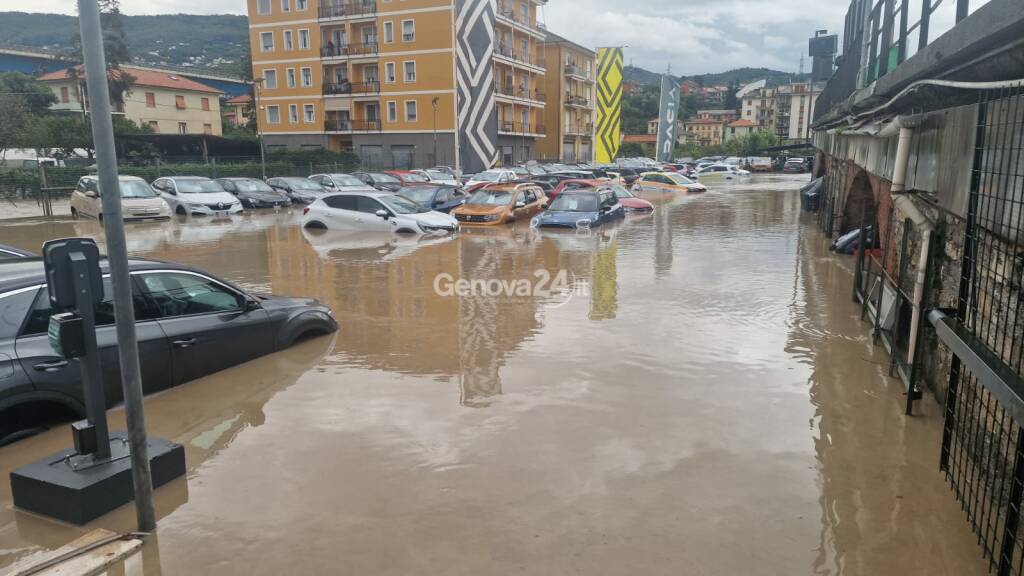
{"x": 180, "y": 211}
{"x": 74, "y": 214}
{"x": 316, "y": 225}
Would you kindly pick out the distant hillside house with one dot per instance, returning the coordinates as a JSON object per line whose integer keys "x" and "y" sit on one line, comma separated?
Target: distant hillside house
{"x": 652, "y": 126}
{"x": 705, "y": 132}
{"x": 739, "y": 128}
{"x": 238, "y": 110}
{"x": 165, "y": 101}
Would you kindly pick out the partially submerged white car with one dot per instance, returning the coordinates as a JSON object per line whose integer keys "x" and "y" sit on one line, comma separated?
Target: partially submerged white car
{"x": 375, "y": 212}
{"x": 138, "y": 200}
{"x": 196, "y": 195}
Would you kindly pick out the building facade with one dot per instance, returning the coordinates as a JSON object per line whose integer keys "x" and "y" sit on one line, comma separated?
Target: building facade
{"x": 739, "y": 129}
{"x": 401, "y": 83}
{"x": 164, "y": 101}
{"x": 569, "y": 114}
{"x": 718, "y": 115}
{"x": 705, "y": 132}
{"x": 786, "y": 110}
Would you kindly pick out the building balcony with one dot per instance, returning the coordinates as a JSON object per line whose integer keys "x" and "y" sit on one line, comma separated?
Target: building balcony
{"x": 368, "y": 49}
{"x": 579, "y": 129}
{"x": 577, "y": 73}
{"x": 357, "y": 9}
{"x": 345, "y": 126}
{"x": 515, "y": 57}
{"x": 577, "y": 101}
{"x": 521, "y": 129}
{"x": 350, "y": 88}
{"x": 514, "y": 92}
{"x": 509, "y": 17}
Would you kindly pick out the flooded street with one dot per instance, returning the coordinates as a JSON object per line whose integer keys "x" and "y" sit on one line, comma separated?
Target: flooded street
{"x": 703, "y": 400}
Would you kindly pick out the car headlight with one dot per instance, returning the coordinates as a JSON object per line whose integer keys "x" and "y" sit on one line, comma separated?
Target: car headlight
{"x": 491, "y": 218}
{"x": 194, "y": 206}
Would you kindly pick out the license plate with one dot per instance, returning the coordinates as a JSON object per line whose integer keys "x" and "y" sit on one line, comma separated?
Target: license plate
{"x": 221, "y": 214}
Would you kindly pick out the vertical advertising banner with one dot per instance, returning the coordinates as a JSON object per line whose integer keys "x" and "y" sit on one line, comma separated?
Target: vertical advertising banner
{"x": 477, "y": 122}
{"x": 667, "y": 119}
{"x": 609, "y": 104}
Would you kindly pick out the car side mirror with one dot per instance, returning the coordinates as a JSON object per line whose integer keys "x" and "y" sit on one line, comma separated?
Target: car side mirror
{"x": 382, "y": 214}
{"x": 91, "y": 194}
{"x": 252, "y": 305}
{"x": 520, "y": 204}
{"x": 545, "y": 205}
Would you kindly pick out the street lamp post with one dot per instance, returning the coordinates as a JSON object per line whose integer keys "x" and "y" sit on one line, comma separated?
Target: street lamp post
{"x": 433, "y": 103}
{"x": 259, "y": 131}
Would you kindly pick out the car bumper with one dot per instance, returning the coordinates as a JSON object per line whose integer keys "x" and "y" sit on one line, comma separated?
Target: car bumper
{"x": 268, "y": 204}
{"x": 472, "y": 220}
{"x": 207, "y": 211}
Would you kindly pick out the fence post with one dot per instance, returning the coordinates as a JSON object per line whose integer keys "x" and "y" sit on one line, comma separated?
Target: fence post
{"x": 213, "y": 166}
{"x": 44, "y": 194}
{"x": 158, "y": 167}
{"x": 1013, "y": 509}
{"x": 310, "y": 173}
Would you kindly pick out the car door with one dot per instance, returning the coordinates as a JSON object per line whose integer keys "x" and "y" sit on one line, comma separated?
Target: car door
{"x": 167, "y": 191}
{"x": 51, "y": 373}
{"x": 341, "y": 212}
{"x": 456, "y": 197}
{"x": 209, "y": 325}
{"x": 519, "y": 207}
{"x": 367, "y": 208}
{"x": 14, "y": 381}
{"x": 533, "y": 199}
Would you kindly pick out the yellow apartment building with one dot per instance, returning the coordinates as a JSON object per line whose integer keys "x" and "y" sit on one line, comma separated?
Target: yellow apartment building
{"x": 402, "y": 83}
{"x": 163, "y": 100}
{"x": 569, "y": 115}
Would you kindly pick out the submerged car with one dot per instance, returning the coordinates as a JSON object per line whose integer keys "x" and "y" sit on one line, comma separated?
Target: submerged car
{"x": 436, "y": 197}
{"x": 408, "y": 177}
{"x": 721, "y": 171}
{"x": 438, "y": 176}
{"x": 299, "y": 190}
{"x": 666, "y": 182}
{"x": 380, "y": 181}
{"x": 760, "y": 164}
{"x": 581, "y": 208}
{"x": 794, "y": 166}
{"x": 499, "y": 204}
{"x": 138, "y": 200}
{"x": 195, "y": 195}
{"x": 254, "y": 193}
{"x": 189, "y": 324}
{"x": 339, "y": 182}
{"x": 487, "y": 177}
{"x": 375, "y": 212}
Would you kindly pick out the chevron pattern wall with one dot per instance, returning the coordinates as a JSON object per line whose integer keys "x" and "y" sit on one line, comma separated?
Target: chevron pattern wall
{"x": 477, "y": 119}
{"x": 609, "y": 103}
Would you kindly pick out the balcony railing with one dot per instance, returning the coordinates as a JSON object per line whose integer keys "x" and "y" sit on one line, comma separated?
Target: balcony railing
{"x": 351, "y": 125}
{"x": 350, "y": 50}
{"x": 506, "y": 12}
{"x": 342, "y": 88}
{"x": 520, "y": 92}
{"x": 585, "y": 129}
{"x": 516, "y": 55}
{"x": 521, "y": 128}
{"x": 342, "y": 9}
{"x": 576, "y": 100}
{"x": 576, "y": 71}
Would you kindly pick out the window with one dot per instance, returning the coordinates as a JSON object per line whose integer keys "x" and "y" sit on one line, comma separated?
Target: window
{"x": 154, "y": 125}
{"x": 181, "y": 294}
{"x": 341, "y": 202}
{"x": 524, "y": 12}
{"x": 207, "y": 128}
{"x": 289, "y": 75}
{"x": 410, "y": 71}
{"x": 307, "y": 77}
{"x": 179, "y": 101}
{"x": 182, "y": 127}
{"x": 286, "y": 5}
{"x": 389, "y": 72}
{"x": 39, "y": 317}
{"x": 288, "y": 45}
{"x": 150, "y": 99}
{"x": 389, "y": 32}
{"x": 266, "y": 41}
{"x": 408, "y": 30}
{"x": 263, "y": 7}
{"x": 301, "y": 4}
{"x": 293, "y": 114}
{"x": 367, "y": 205}
{"x": 303, "y": 39}
{"x": 270, "y": 79}
{"x": 273, "y": 114}
{"x": 205, "y": 104}
{"x": 308, "y": 113}
{"x": 392, "y": 111}
{"x": 410, "y": 110}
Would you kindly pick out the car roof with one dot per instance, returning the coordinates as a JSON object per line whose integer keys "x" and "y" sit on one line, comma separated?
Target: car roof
{"x": 511, "y": 186}
{"x": 186, "y": 177}
{"x": 237, "y": 178}
{"x": 370, "y": 193}
{"x": 119, "y": 177}
{"x": 23, "y": 272}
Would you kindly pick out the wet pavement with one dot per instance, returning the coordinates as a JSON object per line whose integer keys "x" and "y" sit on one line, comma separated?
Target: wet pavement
{"x": 703, "y": 399}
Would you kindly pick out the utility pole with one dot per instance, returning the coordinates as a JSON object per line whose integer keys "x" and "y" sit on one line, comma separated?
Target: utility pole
{"x": 117, "y": 256}
{"x": 434, "y": 104}
{"x": 259, "y": 130}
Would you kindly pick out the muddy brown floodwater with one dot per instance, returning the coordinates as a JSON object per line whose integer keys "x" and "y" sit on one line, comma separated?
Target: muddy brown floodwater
{"x": 707, "y": 401}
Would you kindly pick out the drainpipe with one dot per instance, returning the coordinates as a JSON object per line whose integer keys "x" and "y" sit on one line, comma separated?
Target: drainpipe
{"x": 905, "y": 204}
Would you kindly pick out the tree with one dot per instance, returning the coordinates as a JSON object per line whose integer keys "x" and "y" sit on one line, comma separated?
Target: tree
{"x": 115, "y": 51}
{"x": 638, "y": 109}
{"x": 36, "y": 97}
{"x": 731, "y": 103}
{"x": 15, "y": 120}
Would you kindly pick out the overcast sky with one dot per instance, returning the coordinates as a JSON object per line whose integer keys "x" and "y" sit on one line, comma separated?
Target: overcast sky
{"x": 694, "y": 36}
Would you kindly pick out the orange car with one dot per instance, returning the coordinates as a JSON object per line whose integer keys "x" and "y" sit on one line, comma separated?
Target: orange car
{"x": 498, "y": 204}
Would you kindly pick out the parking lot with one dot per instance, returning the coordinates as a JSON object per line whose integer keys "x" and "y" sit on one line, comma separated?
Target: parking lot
{"x": 700, "y": 398}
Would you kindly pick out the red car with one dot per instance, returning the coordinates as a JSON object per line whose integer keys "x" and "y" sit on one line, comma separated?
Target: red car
{"x": 408, "y": 178}
{"x": 629, "y": 202}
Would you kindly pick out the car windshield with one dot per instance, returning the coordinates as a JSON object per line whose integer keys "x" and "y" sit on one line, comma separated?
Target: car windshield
{"x": 346, "y": 180}
{"x": 136, "y": 189}
{"x": 252, "y": 186}
{"x": 575, "y": 202}
{"x": 423, "y": 194}
{"x": 438, "y": 175}
{"x": 402, "y": 205}
{"x": 415, "y": 178}
{"x": 385, "y": 178}
{"x": 621, "y": 192}
{"x": 198, "y": 187}
{"x": 302, "y": 184}
{"x": 678, "y": 178}
{"x": 491, "y": 198}
{"x": 487, "y": 176}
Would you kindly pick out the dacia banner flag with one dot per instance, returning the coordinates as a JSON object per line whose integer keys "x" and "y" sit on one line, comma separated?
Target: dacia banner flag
{"x": 667, "y": 119}
{"x": 609, "y": 104}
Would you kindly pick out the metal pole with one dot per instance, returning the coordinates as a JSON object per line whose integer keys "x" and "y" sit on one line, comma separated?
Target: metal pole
{"x": 117, "y": 256}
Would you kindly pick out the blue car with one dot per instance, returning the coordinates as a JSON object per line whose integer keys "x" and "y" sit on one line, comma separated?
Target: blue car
{"x": 584, "y": 208}
{"x": 439, "y": 197}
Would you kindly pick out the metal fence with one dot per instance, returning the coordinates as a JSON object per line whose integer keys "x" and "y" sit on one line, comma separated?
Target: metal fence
{"x": 983, "y": 442}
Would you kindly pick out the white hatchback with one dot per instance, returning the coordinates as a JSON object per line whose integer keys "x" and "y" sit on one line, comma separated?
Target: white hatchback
{"x": 375, "y": 212}
{"x": 138, "y": 200}
{"x": 195, "y": 195}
